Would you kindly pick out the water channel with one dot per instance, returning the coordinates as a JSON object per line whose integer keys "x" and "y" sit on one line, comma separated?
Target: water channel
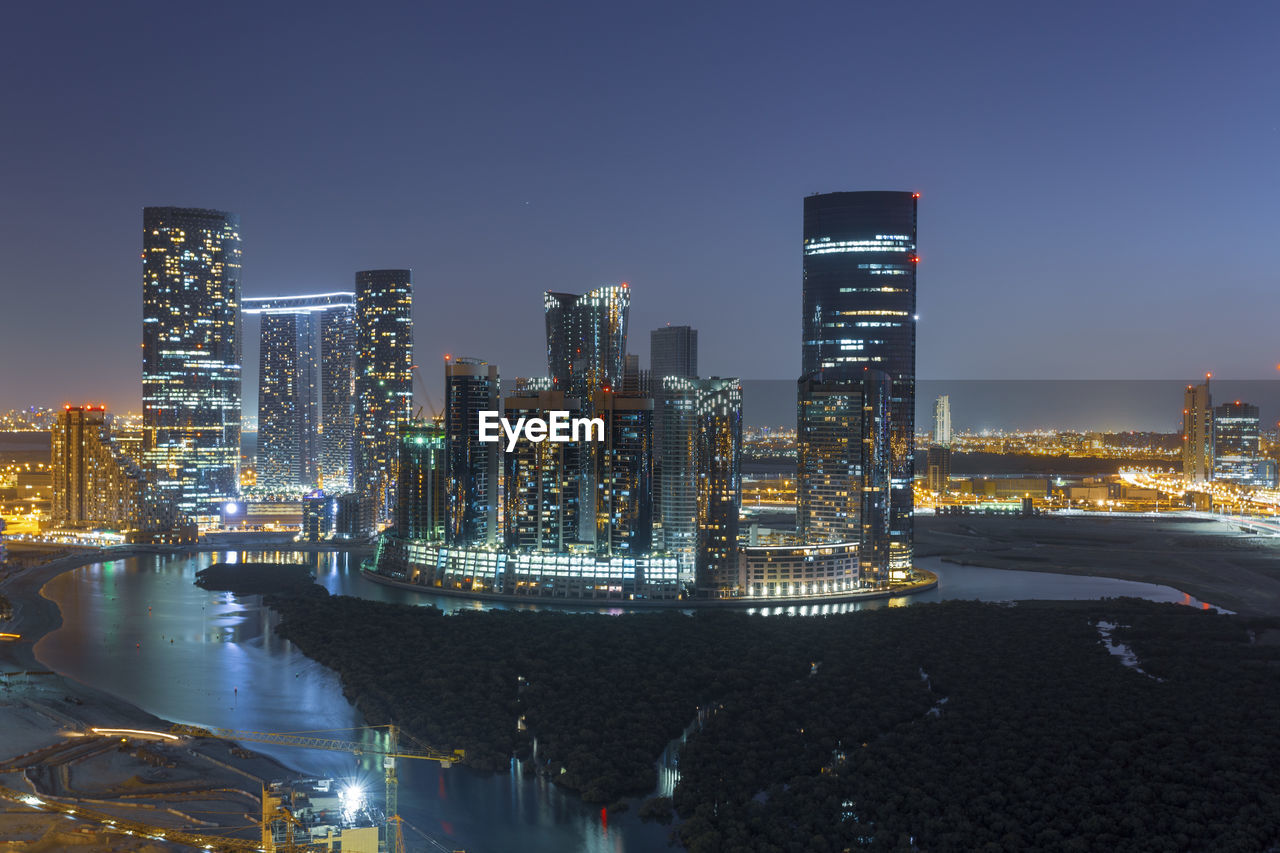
{"x": 140, "y": 629}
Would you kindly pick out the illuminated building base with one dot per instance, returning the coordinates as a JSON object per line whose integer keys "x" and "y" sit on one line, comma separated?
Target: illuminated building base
{"x": 535, "y": 574}
{"x": 788, "y": 572}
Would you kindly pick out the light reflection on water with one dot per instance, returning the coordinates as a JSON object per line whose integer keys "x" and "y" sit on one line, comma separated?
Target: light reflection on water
{"x": 141, "y": 630}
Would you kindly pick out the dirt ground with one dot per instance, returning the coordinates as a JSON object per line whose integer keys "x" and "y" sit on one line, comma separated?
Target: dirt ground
{"x": 1211, "y": 560}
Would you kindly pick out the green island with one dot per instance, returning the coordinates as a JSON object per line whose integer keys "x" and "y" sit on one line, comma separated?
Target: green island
{"x": 951, "y": 726}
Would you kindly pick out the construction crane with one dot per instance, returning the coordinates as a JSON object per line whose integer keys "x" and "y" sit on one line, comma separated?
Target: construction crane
{"x": 390, "y": 751}
{"x": 436, "y": 415}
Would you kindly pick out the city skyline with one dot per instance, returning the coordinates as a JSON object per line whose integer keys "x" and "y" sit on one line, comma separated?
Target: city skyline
{"x": 705, "y": 227}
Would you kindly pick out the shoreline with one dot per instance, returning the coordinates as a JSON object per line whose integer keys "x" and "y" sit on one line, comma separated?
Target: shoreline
{"x": 40, "y": 710}
{"x": 924, "y": 585}
{"x": 1202, "y": 557}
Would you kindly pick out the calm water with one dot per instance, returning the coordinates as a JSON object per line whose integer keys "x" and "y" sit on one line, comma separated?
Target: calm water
{"x": 141, "y": 630}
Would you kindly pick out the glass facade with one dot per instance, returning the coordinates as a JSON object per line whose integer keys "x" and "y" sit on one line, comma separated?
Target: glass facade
{"x": 624, "y": 476}
{"x": 471, "y": 387}
{"x": 541, "y": 480}
{"x": 701, "y": 476}
{"x": 843, "y": 467}
{"x": 1236, "y": 448}
{"x": 421, "y": 492}
{"x": 306, "y": 412}
{"x": 533, "y": 574}
{"x": 673, "y": 351}
{"x": 191, "y": 355}
{"x": 587, "y": 339}
{"x": 859, "y": 312}
{"x": 383, "y": 384}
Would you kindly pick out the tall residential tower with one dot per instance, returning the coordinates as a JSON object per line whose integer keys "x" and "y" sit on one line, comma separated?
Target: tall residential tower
{"x": 1197, "y": 433}
{"x": 191, "y": 355}
{"x": 470, "y": 387}
{"x": 859, "y": 315}
{"x": 384, "y": 384}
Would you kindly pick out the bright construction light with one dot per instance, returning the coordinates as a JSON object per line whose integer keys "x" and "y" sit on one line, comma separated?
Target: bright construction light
{"x": 230, "y": 508}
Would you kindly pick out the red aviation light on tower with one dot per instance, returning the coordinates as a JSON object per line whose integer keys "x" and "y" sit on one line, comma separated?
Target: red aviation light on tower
{"x": 915, "y": 195}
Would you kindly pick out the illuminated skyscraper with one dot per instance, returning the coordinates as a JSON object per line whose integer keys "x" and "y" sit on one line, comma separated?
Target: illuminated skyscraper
{"x": 471, "y": 387}
{"x": 859, "y": 311}
{"x": 624, "y": 475}
{"x": 673, "y": 351}
{"x": 95, "y": 484}
{"x": 719, "y": 476}
{"x": 421, "y": 482}
{"x": 1197, "y": 433}
{"x": 843, "y": 467}
{"x": 701, "y": 460}
{"x": 942, "y": 421}
{"x": 541, "y": 494}
{"x": 384, "y": 383}
{"x": 1236, "y": 453}
{"x": 587, "y": 339}
{"x": 191, "y": 354}
{"x": 306, "y": 408}
{"x": 586, "y": 350}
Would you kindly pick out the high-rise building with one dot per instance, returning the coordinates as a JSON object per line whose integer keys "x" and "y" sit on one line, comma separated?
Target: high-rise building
{"x": 384, "y": 384}
{"x": 1236, "y": 448}
{"x": 306, "y": 403}
{"x": 843, "y": 467}
{"x": 95, "y": 484}
{"x": 859, "y": 312}
{"x": 421, "y": 498}
{"x": 191, "y": 354}
{"x": 942, "y": 421}
{"x": 719, "y": 474}
{"x": 635, "y": 382}
{"x": 673, "y": 351}
{"x": 541, "y": 483}
{"x": 471, "y": 387}
{"x": 1197, "y": 433}
{"x": 587, "y": 339}
{"x": 623, "y": 501}
{"x": 938, "y": 468}
{"x": 701, "y": 458}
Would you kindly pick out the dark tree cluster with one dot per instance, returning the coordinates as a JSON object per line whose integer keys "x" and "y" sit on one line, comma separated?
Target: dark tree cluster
{"x": 954, "y": 726}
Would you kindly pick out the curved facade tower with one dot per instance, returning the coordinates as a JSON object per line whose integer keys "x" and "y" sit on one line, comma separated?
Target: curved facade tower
{"x": 860, "y": 316}
{"x": 587, "y": 339}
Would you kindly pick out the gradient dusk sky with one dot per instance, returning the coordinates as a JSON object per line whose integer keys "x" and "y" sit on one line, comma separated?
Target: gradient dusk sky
{"x": 1099, "y": 180}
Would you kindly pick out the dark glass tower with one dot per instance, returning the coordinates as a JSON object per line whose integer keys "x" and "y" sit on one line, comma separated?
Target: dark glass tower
{"x": 420, "y": 499}
{"x": 384, "y": 383}
{"x": 471, "y": 387}
{"x": 1236, "y": 443}
{"x": 191, "y": 355}
{"x": 859, "y": 311}
{"x": 587, "y": 339}
{"x": 305, "y": 407}
{"x": 673, "y": 351}
{"x": 624, "y": 476}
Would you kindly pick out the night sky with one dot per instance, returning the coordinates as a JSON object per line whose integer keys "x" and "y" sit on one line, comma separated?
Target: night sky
{"x": 1098, "y": 180}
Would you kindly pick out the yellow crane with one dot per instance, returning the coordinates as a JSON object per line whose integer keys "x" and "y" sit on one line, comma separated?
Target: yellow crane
{"x": 390, "y": 749}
